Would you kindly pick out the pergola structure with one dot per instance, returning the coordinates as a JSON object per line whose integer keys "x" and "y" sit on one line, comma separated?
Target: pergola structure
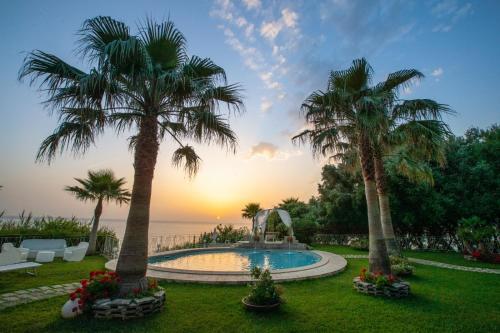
{"x": 259, "y": 222}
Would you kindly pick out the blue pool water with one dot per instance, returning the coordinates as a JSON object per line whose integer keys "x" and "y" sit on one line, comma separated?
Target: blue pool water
{"x": 236, "y": 260}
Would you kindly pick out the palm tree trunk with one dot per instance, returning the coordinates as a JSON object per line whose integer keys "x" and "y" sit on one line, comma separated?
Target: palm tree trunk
{"x": 132, "y": 261}
{"x": 385, "y": 208}
{"x": 377, "y": 257}
{"x": 95, "y": 228}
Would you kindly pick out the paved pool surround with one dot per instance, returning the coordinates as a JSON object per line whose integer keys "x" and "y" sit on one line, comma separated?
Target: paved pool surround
{"x": 329, "y": 264}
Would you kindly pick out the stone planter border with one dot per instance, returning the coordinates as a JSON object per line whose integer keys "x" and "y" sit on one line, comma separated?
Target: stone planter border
{"x": 396, "y": 290}
{"x": 124, "y": 308}
{"x": 260, "y": 308}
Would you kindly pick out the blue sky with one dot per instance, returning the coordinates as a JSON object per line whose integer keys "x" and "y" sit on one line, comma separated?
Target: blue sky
{"x": 279, "y": 51}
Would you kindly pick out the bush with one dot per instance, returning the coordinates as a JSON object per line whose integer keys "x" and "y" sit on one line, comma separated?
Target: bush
{"x": 358, "y": 243}
{"x": 263, "y": 290}
{"x": 304, "y": 229}
{"x": 48, "y": 226}
{"x": 400, "y": 266}
{"x": 224, "y": 234}
{"x": 378, "y": 279}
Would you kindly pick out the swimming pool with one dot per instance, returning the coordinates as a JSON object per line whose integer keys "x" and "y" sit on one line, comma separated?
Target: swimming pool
{"x": 235, "y": 260}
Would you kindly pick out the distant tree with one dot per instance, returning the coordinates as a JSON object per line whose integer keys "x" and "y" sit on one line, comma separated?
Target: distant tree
{"x": 250, "y": 211}
{"x": 99, "y": 186}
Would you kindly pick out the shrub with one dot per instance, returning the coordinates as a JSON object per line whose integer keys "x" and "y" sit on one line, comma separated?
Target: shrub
{"x": 49, "y": 226}
{"x": 400, "y": 266}
{"x": 100, "y": 285}
{"x": 479, "y": 238}
{"x": 304, "y": 229}
{"x": 263, "y": 290}
{"x": 378, "y": 278}
{"x": 358, "y": 243}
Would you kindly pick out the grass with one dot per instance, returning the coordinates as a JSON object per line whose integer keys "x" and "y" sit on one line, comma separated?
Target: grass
{"x": 56, "y": 272}
{"x": 445, "y": 257}
{"x": 442, "y": 300}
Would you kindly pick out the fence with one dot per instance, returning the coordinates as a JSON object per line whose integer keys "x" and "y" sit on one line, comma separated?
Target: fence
{"x": 175, "y": 242}
{"x": 107, "y": 246}
{"x": 408, "y": 242}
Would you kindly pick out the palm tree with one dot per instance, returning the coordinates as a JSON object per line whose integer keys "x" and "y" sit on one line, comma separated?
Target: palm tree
{"x": 250, "y": 211}
{"x": 343, "y": 118}
{"x": 99, "y": 186}
{"x": 411, "y": 134}
{"x": 145, "y": 83}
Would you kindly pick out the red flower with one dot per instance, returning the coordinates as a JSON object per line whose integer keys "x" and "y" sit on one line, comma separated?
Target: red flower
{"x": 72, "y": 296}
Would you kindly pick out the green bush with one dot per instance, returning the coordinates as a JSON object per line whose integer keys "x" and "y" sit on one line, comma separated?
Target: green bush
{"x": 48, "y": 226}
{"x": 304, "y": 229}
{"x": 263, "y": 290}
{"x": 400, "y": 266}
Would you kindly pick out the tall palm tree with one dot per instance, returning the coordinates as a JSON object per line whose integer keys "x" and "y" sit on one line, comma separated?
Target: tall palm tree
{"x": 250, "y": 211}
{"x": 99, "y": 186}
{"x": 344, "y": 118}
{"x": 412, "y": 133}
{"x": 145, "y": 83}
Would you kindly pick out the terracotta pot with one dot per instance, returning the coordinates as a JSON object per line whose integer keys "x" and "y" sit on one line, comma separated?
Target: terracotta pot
{"x": 260, "y": 308}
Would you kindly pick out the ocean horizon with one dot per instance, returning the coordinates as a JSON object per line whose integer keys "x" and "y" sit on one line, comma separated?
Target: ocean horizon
{"x": 157, "y": 227}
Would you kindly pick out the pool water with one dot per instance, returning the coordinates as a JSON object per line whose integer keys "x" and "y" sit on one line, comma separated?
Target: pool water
{"x": 236, "y": 260}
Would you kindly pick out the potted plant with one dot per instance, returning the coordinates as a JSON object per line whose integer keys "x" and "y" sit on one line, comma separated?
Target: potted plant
{"x": 264, "y": 294}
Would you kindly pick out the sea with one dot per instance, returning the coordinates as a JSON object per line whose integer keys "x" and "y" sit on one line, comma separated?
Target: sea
{"x": 171, "y": 228}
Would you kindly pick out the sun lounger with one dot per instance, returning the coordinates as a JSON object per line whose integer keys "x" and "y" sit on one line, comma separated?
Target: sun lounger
{"x": 30, "y": 267}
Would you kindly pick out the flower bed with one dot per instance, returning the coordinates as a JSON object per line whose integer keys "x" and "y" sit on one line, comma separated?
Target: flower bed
{"x": 378, "y": 284}
{"x": 126, "y": 308}
{"x": 100, "y": 296}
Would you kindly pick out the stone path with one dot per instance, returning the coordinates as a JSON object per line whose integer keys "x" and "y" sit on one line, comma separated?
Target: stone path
{"x": 435, "y": 264}
{"x": 34, "y": 294}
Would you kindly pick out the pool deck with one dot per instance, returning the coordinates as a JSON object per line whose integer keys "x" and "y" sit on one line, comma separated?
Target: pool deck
{"x": 329, "y": 264}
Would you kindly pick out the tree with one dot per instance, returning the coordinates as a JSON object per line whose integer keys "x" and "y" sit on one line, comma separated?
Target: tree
{"x": 99, "y": 186}
{"x": 344, "y": 118}
{"x": 145, "y": 83}
{"x": 410, "y": 132}
{"x": 250, "y": 211}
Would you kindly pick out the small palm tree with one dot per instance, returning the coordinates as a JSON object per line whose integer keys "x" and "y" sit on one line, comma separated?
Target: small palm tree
{"x": 250, "y": 211}
{"x": 99, "y": 186}
{"x": 145, "y": 83}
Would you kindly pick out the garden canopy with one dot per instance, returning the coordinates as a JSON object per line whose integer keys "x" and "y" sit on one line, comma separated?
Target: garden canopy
{"x": 260, "y": 220}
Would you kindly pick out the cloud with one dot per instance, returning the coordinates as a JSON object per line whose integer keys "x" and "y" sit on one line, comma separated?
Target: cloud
{"x": 252, "y": 4}
{"x": 271, "y": 29}
{"x": 267, "y": 78}
{"x": 265, "y": 105}
{"x": 289, "y": 17}
{"x": 271, "y": 152}
{"x": 437, "y": 72}
{"x": 450, "y": 12}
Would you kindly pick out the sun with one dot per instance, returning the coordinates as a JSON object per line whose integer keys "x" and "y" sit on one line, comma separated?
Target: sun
{"x": 218, "y": 217}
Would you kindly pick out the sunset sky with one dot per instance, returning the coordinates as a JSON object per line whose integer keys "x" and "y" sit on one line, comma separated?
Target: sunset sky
{"x": 279, "y": 51}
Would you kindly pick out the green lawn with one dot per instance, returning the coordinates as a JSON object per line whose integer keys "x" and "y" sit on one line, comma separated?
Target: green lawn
{"x": 445, "y": 257}
{"x": 56, "y": 272}
{"x": 442, "y": 300}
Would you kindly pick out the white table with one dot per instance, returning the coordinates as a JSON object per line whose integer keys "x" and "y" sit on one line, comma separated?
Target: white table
{"x": 45, "y": 256}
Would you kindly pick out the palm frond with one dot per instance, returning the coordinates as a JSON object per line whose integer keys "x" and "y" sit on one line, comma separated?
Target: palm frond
{"x": 206, "y": 126}
{"x": 187, "y": 157}
{"x": 98, "y": 32}
{"x": 165, "y": 44}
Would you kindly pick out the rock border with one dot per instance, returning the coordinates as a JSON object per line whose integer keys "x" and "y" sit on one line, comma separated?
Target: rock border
{"x": 125, "y": 309}
{"x": 396, "y": 290}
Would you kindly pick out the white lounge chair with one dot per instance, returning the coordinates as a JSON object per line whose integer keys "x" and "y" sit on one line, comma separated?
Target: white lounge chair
{"x": 76, "y": 253}
{"x": 35, "y": 245}
{"x": 21, "y": 265}
{"x": 10, "y": 255}
{"x": 9, "y": 247}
